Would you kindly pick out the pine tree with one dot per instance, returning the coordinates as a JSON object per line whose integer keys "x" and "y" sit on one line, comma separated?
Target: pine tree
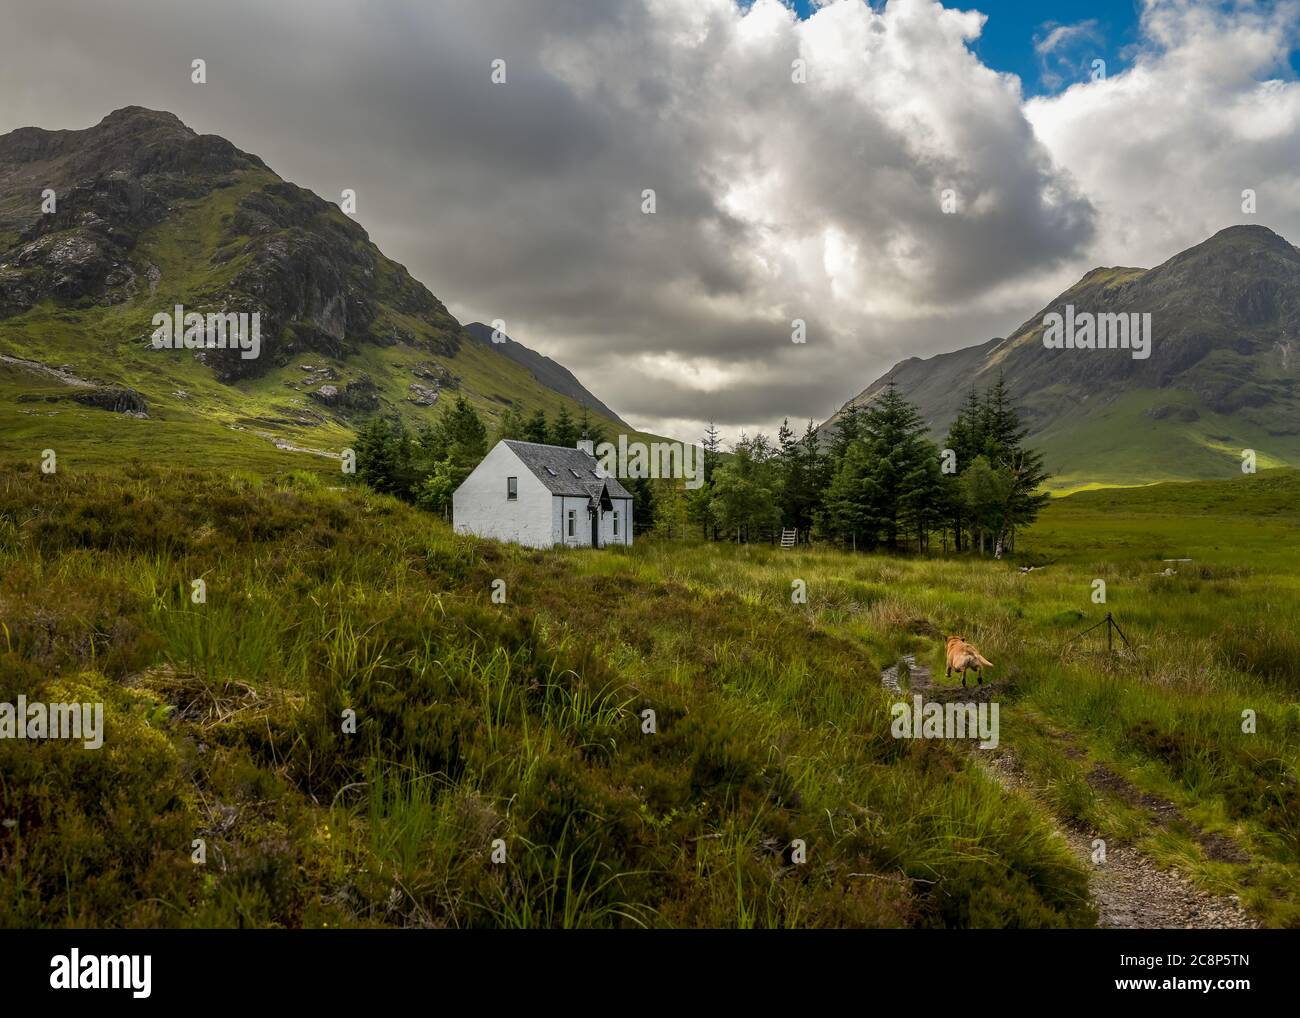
{"x": 923, "y": 501}
{"x": 953, "y": 506}
{"x": 450, "y": 449}
{"x": 816, "y": 474}
{"x": 898, "y": 468}
{"x": 511, "y": 425}
{"x": 785, "y": 440}
{"x": 965, "y": 435}
{"x": 377, "y": 456}
{"x": 990, "y": 427}
{"x": 987, "y": 493}
{"x": 966, "y": 441}
{"x": 790, "y": 494}
{"x": 712, "y": 451}
{"x": 564, "y": 432}
{"x": 843, "y": 516}
{"x": 802, "y": 480}
{"x": 643, "y": 502}
{"x": 536, "y": 430}
{"x": 744, "y": 490}
{"x": 1000, "y": 428}
{"x": 1004, "y": 437}
{"x": 848, "y": 429}
{"x": 699, "y": 502}
{"x": 589, "y": 429}
{"x": 466, "y": 435}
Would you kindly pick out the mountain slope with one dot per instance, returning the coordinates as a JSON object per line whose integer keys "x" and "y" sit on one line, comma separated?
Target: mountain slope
{"x": 150, "y": 215}
{"x": 553, "y": 375}
{"x": 1221, "y": 376}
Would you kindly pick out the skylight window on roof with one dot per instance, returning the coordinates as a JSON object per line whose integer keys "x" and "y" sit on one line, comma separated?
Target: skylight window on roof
{"x": 552, "y": 472}
{"x": 575, "y": 473}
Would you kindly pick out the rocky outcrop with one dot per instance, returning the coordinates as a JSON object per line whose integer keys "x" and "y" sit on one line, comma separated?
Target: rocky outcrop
{"x": 360, "y": 396}
{"x": 118, "y": 400}
{"x": 115, "y": 399}
{"x": 422, "y": 395}
{"x": 438, "y": 375}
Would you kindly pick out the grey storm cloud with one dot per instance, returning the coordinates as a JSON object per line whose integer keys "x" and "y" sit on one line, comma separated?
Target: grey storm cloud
{"x": 818, "y": 200}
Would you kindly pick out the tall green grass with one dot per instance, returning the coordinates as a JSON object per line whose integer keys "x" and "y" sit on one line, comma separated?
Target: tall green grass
{"x": 478, "y": 723}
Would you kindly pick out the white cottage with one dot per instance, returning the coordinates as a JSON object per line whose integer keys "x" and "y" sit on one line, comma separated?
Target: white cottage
{"x": 541, "y": 495}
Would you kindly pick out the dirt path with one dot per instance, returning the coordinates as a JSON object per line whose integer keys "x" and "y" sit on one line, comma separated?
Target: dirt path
{"x": 58, "y": 374}
{"x": 1128, "y": 889}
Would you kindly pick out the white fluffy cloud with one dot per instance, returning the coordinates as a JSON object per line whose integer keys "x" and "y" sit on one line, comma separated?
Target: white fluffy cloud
{"x": 776, "y": 199}
{"x": 1164, "y": 150}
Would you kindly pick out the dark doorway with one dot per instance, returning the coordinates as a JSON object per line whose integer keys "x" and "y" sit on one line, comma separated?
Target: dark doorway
{"x": 595, "y": 528}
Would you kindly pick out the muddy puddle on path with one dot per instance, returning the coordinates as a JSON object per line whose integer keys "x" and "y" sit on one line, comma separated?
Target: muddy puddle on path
{"x": 907, "y": 678}
{"x": 1128, "y": 889}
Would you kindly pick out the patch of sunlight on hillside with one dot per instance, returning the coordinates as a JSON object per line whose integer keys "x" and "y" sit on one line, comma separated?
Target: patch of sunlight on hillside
{"x": 1263, "y": 460}
{"x": 1071, "y": 487}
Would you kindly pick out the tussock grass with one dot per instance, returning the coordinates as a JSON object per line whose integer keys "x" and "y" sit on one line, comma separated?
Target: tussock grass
{"x": 521, "y": 725}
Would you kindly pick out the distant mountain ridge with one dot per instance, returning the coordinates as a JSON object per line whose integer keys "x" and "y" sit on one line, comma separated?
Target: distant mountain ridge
{"x": 1222, "y": 375}
{"x": 552, "y": 374}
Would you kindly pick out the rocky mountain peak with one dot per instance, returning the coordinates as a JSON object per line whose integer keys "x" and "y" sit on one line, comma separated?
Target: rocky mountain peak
{"x": 1221, "y": 373}
{"x": 247, "y": 240}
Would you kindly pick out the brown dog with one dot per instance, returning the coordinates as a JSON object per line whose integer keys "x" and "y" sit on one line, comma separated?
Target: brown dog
{"x": 963, "y": 655}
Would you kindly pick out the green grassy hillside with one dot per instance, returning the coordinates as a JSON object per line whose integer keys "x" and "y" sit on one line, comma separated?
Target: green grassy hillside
{"x": 1121, "y": 444}
{"x": 1221, "y": 376}
{"x": 151, "y": 216}
{"x": 189, "y": 407}
{"x": 523, "y": 721}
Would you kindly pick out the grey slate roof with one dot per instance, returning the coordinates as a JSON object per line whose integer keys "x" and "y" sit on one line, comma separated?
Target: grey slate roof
{"x": 563, "y": 462}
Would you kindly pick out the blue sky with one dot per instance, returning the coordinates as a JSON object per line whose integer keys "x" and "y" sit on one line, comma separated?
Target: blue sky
{"x": 1105, "y": 29}
{"x": 1109, "y": 27}
{"x": 1008, "y": 40}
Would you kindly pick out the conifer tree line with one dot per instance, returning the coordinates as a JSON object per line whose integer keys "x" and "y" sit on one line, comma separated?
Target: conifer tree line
{"x": 878, "y": 481}
{"x": 427, "y": 467}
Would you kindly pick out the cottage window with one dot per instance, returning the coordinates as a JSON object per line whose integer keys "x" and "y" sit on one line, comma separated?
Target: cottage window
{"x": 573, "y": 523}
{"x": 512, "y": 488}
{"x": 616, "y": 523}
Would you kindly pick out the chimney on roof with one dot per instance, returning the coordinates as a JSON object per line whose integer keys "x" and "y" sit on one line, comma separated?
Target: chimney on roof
{"x": 586, "y": 445}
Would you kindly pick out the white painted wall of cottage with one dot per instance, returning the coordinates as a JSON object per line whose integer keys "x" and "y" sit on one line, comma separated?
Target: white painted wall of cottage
{"x": 624, "y": 507}
{"x": 582, "y": 538}
{"x": 479, "y": 505}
